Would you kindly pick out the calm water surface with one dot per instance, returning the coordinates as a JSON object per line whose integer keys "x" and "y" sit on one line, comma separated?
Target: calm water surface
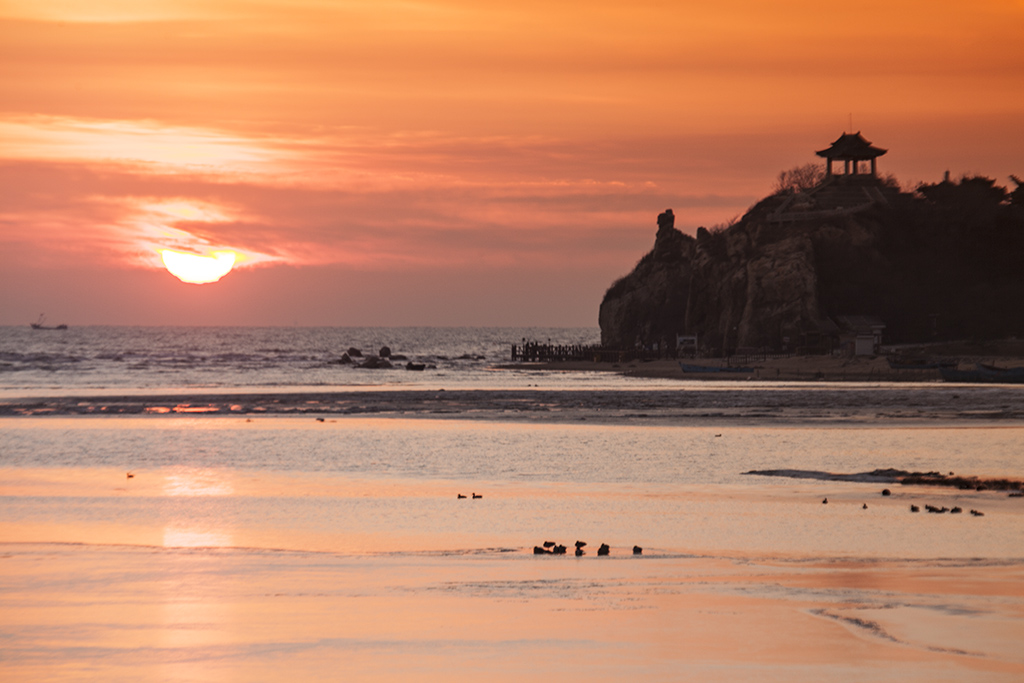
{"x": 364, "y": 484}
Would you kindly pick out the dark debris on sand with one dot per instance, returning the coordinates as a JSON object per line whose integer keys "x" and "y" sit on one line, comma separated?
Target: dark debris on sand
{"x": 903, "y": 477}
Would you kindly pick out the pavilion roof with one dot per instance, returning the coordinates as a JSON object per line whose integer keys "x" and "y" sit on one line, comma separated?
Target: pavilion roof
{"x": 851, "y": 146}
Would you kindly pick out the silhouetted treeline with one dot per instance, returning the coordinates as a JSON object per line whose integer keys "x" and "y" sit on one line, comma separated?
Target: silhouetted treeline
{"x": 944, "y": 262}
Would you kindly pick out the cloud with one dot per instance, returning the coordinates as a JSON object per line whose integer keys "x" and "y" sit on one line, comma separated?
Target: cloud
{"x": 357, "y": 198}
{"x": 460, "y": 138}
{"x": 149, "y": 146}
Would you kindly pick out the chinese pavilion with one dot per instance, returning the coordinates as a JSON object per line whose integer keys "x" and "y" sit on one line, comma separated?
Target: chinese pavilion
{"x": 851, "y": 149}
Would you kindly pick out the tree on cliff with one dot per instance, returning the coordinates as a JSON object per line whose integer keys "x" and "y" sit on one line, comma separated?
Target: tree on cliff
{"x": 1017, "y": 196}
{"x": 800, "y": 179}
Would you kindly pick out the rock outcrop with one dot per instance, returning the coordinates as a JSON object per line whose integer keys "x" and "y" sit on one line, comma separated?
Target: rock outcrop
{"x": 778, "y": 276}
{"x": 728, "y": 288}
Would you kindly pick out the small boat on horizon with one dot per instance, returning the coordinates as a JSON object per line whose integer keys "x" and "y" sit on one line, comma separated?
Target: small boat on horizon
{"x": 41, "y": 324}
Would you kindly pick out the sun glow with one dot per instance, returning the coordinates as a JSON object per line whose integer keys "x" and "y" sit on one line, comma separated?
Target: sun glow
{"x": 196, "y": 269}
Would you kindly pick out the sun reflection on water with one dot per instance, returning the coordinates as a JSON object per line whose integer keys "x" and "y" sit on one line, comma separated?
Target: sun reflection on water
{"x": 196, "y": 482}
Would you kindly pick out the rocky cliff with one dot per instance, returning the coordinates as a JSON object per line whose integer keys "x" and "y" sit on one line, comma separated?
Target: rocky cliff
{"x": 780, "y": 275}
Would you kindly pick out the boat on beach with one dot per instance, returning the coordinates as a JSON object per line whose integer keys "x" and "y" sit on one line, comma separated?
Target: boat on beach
{"x": 687, "y": 367}
{"x": 991, "y": 373}
{"x": 920, "y": 364}
{"x": 984, "y": 374}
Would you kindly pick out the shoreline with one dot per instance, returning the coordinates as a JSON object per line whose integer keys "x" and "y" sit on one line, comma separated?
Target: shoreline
{"x": 684, "y": 402}
{"x": 790, "y": 369}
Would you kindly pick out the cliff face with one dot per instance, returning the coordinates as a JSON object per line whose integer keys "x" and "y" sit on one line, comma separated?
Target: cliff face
{"x": 651, "y": 301}
{"x": 776, "y": 276}
{"x": 728, "y": 288}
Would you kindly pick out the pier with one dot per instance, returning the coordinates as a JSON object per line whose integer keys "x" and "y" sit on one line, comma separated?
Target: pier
{"x": 536, "y": 352}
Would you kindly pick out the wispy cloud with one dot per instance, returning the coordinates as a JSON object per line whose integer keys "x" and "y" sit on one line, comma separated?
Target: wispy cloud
{"x": 149, "y": 145}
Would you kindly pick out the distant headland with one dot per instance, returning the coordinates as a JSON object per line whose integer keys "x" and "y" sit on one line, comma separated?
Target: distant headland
{"x": 839, "y": 259}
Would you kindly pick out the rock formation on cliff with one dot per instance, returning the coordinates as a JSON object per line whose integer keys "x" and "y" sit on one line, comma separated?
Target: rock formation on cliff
{"x": 946, "y": 261}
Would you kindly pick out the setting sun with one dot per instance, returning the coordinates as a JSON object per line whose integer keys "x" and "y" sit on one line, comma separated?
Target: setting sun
{"x": 196, "y": 269}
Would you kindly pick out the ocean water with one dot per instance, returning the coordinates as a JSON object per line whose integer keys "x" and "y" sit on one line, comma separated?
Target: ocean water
{"x": 104, "y": 358}
{"x": 286, "y": 516}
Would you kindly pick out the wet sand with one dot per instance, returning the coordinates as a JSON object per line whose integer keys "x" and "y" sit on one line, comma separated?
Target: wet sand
{"x": 279, "y": 548}
{"x": 122, "y": 613}
{"x": 214, "y": 599}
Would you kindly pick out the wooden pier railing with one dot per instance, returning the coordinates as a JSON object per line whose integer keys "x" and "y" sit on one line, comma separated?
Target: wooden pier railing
{"x": 536, "y": 352}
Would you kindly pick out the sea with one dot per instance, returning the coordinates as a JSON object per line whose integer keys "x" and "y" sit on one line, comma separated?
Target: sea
{"x": 279, "y": 358}
{"x": 240, "y": 504}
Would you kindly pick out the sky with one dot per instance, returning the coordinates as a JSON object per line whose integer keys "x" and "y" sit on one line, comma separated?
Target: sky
{"x": 447, "y": 162}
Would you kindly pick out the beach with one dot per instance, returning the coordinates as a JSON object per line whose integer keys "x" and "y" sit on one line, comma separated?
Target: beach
{"x": 156, "y": 528}
{"x": 123, "y": 613}
{"x": 342, "y": 548}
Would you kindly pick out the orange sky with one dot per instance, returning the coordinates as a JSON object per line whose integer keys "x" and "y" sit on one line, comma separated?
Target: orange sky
{"x": 447, "y": 162}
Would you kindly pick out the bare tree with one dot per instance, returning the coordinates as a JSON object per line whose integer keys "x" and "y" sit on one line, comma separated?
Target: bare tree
{"x": 800, "y": 178}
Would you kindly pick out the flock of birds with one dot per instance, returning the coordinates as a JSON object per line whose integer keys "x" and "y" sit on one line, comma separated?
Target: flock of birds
{"x": 552, "y": 548}
{"x": 929, "y": 508}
